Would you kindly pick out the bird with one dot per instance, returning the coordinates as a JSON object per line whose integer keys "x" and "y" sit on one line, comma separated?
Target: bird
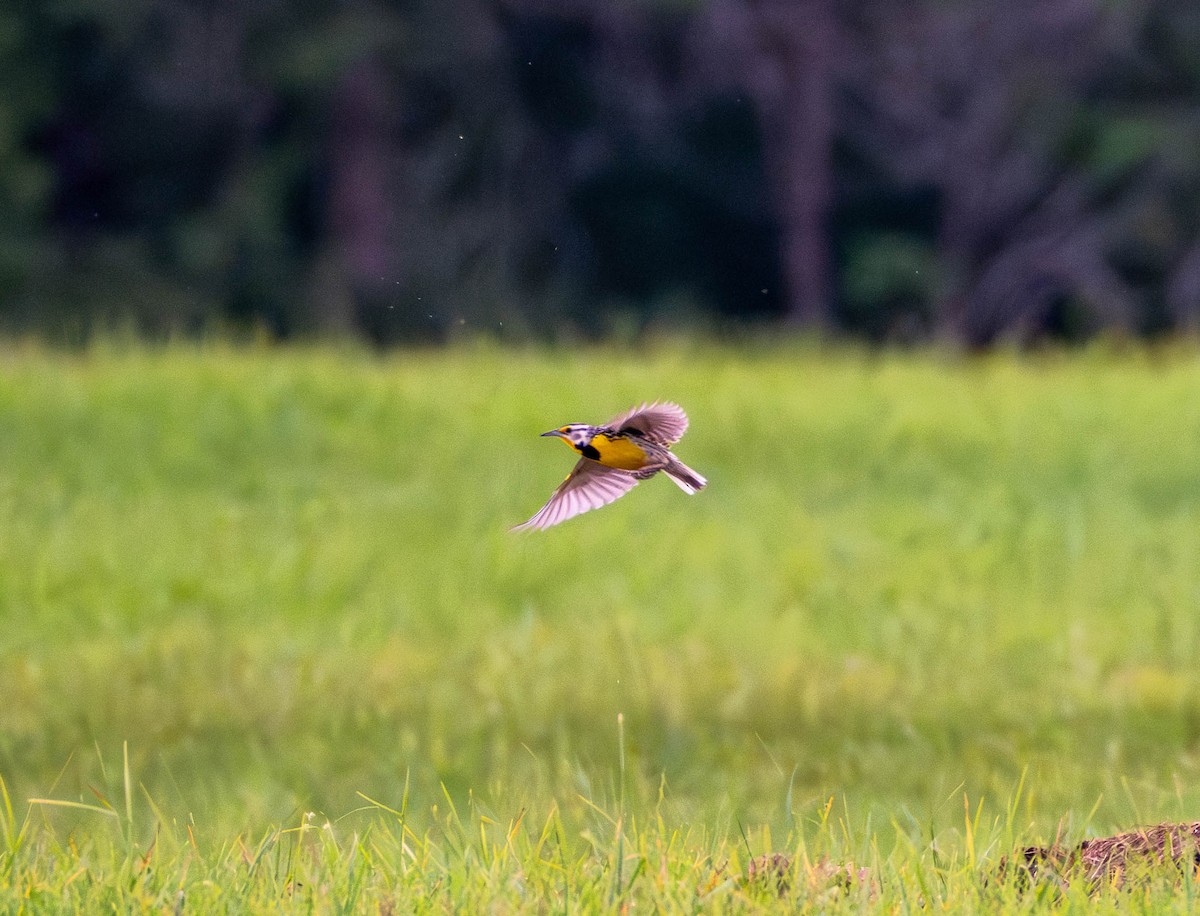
{"x": 631, "y": 447}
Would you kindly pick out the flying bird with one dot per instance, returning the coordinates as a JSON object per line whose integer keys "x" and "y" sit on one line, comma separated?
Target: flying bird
{"x": 628, "y": 448}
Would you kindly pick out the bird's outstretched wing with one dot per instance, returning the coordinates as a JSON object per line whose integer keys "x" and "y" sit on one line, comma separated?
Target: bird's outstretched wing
{"x": 588, "y": 486}
{"x": 663, "y": 423}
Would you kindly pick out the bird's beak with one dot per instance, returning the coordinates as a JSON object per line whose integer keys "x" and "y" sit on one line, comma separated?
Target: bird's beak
{"x": 556, "y": 432}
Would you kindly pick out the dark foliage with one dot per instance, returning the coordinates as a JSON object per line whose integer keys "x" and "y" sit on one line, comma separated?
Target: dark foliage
{"x": 897, "y": 170}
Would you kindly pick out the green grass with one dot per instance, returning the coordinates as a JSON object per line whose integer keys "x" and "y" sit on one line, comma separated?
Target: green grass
{"x": 263, "y": 618}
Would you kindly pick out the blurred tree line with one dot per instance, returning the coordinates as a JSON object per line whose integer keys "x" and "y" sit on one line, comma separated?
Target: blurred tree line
{"x": 898, "y": 169}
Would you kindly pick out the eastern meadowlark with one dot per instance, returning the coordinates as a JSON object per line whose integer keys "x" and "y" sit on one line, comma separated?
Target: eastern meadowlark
{"x": 630, "y": 447}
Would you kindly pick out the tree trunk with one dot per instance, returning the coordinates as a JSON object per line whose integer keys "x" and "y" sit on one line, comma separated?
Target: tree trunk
{"x": 357, "y": 262}
{"x": 798, "y": 151}
{"x": 783, "y": 53}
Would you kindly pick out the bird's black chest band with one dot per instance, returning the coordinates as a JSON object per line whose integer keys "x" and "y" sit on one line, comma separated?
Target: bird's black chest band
{"x": 590, "y": 451}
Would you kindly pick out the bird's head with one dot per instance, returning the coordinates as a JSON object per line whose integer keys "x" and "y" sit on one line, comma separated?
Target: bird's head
{"x": 576, "y": 435}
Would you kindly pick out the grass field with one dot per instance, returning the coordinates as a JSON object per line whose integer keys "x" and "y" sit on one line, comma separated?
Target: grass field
{"x": 268, "y": 643}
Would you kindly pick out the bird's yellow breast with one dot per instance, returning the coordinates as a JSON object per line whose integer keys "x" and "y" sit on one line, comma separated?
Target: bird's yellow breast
{"x": 619, "y": 452}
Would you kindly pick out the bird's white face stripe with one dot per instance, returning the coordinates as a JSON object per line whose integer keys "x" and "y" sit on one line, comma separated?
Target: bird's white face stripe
{"x": 580, "y": 434}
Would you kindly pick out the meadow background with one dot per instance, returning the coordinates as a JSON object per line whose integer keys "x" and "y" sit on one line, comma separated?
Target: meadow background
{"x": 265, "y": 620}
{"x": 288, "y": 292}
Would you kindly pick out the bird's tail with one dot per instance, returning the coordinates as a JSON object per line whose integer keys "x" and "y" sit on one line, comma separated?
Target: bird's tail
{"x": 685, "y": 478}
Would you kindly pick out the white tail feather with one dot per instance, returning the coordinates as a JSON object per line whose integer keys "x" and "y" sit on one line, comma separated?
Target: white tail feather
{"x": 685, "y": 478}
